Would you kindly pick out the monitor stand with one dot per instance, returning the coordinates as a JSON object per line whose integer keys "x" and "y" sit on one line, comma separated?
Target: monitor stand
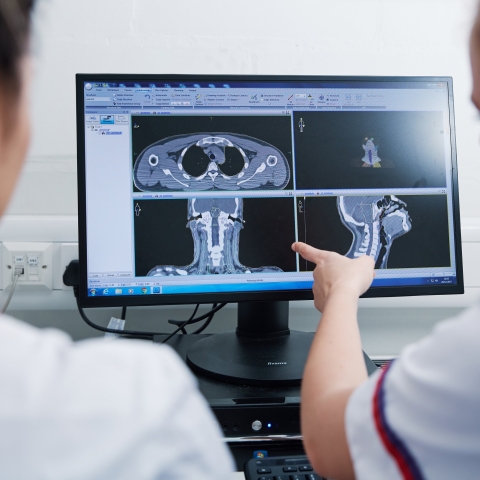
{"x": 262, "y": 351}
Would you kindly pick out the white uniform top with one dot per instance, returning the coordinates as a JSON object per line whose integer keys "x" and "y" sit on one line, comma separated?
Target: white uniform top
{"x": 420, "y": 419}
{"x": 101, "y": 410}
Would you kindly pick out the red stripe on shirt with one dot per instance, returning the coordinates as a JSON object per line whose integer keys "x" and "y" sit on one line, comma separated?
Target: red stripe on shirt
{"x": 404, "y": 463}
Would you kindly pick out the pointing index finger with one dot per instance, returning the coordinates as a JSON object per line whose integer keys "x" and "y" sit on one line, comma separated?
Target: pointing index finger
{"x": 307, "y": 252}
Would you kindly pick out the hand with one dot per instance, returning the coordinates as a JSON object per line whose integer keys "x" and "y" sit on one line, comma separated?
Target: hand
{"x": 335, "y": 273}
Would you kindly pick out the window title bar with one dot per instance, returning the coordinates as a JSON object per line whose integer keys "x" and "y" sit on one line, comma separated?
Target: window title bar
{"x": 270, "y": 84}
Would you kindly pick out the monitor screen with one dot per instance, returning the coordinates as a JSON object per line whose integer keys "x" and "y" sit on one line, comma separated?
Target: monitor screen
{"x": 193, "y": 188}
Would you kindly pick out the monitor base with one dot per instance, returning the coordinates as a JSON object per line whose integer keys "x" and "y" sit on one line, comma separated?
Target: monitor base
{"x": 263, "y": 361}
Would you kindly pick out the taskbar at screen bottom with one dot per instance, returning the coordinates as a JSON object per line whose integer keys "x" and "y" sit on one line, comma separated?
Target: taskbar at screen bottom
{"x": 98, "y": 291}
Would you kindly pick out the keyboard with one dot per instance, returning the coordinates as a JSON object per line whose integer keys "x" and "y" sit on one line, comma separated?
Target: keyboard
{"x": 280, "y": 468}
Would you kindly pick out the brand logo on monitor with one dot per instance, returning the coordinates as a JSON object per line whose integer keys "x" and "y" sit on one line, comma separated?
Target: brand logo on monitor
{"x": 276, "y": 363}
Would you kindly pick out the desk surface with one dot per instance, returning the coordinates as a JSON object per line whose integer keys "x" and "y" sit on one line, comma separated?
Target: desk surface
{"x": 238, "y": 476}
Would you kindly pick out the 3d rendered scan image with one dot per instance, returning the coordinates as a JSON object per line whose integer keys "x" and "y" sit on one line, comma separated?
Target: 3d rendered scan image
{"x": 198, "y": 153}
{"x": 408, "y": 231}
{"x": 369, "y": 150}
{"x": 208, "y": 236}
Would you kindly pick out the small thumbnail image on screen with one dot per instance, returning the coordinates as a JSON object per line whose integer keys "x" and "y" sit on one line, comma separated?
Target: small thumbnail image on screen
{"x": 208, "y": 236}
{"x": 201, "y": 153}
{"x": 369, "y": 150}
{"x": 408, "y": 231}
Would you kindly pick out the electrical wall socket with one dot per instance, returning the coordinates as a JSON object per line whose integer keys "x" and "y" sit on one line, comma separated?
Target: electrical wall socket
{"x": 34, "y": 258}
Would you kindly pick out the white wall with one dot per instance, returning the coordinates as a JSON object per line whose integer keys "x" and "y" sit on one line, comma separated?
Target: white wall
{"x": 318, "y": 37}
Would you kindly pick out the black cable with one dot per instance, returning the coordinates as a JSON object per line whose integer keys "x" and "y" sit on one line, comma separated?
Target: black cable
{"x": 112, "y": 330}
{"x": 185, "y": 323}
{"x": 190, "y": 319}
{"x": 182, "y": 326}
{"x": 71, "y": 279}
{"x": 181, "y": 322}
{"x": 207, "y": 322}
{"x": 194, "y": 320}
{"x": 204, "y": 326}
{"x": 198, "y": 319}
{"x": 205, "y": 315}
{"x": 141, "y": 334}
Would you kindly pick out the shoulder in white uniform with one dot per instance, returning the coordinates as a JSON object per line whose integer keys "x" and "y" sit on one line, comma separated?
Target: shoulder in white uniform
{"x": 101, "y": 410}
{"x": 419, "y": 419}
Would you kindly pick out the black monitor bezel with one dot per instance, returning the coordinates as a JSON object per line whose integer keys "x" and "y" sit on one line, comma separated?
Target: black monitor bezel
{"x": 145, "y": 300}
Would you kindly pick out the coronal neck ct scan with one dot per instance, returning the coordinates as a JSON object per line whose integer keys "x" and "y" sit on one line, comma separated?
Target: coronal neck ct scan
{"x": 217, "y": 181}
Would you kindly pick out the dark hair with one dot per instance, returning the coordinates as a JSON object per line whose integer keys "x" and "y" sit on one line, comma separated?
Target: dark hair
{"x": 14, "y": 34}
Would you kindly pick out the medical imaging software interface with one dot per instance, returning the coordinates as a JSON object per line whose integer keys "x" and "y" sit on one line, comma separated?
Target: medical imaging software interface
{"x": 203, "y": 187}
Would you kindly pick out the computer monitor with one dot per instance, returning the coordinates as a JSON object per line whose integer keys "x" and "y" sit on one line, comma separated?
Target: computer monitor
{"x": 192, "y": 189}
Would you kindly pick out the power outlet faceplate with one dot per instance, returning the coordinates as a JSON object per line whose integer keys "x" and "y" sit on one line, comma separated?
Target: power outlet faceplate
{"x": 36, "y": 260}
